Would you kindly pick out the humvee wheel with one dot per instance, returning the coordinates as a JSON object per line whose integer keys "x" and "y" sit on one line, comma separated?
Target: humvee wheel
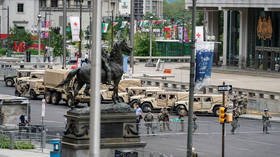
{"x": 216, "y": 111}
{"x": 9, "y": 82}
{"x": 71, "y": 102}
{"x": 55, "y": 98}
{"x": 146, "y": 107}
{"x": 48, "y": 97}
{"x": 133, "y": 103}
{"x": 32, "y": 94}
{"x": 179, "y": 108}
{"x": 17, "y": 93}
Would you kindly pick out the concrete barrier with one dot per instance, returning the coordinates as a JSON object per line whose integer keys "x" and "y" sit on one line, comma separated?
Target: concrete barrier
{"x": 257, "y": 99}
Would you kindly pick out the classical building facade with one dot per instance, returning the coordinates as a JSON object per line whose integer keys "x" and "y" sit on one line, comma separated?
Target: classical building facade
{"x": 251, "y": 31}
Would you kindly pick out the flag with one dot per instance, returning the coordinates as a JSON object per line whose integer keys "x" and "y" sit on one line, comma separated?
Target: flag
{"x": 154, "y": 21}
{"x": 186, "y": 36}
{"x": 146, "y": 23}
{"x": 46, "y": 34}
{"x": 75, "y": 28}
{"x": 204, "y": 58}
{"x": 180, "y": 34}
{"x": 167, "y": 31}
{"x": 123, "y": 24}
{"x": 199, "y": 33}
{"x": 48, "y": 24}
{"x": 158, "y": 22}
{"x": 141, "y": 23}
{"x": 43, "y": 24}
{"x": 115, "y": 23}
{"x": 104, "y": 27}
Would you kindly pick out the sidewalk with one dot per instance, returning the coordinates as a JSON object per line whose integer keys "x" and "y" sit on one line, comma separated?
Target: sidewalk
{"x": 24, "y": 153}
{"x": 275, "y": 118}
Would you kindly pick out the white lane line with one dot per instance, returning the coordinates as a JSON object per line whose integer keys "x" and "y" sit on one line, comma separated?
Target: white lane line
{"x": 49, "y": 121}
{"x": 257, "y": 142}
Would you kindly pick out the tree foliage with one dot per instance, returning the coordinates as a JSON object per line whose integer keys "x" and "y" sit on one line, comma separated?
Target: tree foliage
{"x": 142, "y": 44}
{"x": 174, "y": 10}
{"x": 20, "y": 35}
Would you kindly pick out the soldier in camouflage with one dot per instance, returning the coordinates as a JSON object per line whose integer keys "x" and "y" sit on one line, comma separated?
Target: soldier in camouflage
{"x": 266, "y": 122}
{"x": 234, "y": 123}
{"x": 182, "y": 113}
{"x": 194, "y": 118}
{"x": 149, "y": 118}
{"x": 165, "y": 118}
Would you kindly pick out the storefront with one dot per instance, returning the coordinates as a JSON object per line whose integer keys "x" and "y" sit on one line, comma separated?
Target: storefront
{"x": 251, "y": 33}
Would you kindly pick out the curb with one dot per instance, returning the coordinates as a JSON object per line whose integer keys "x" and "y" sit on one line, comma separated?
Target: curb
{"x": 259, "y": 118}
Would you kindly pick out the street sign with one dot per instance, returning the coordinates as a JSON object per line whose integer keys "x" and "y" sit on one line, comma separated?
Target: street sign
{"x": 225, "y": 88}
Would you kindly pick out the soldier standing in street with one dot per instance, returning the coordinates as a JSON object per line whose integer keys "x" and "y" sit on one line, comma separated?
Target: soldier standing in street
{"x": 234, "y": 123}
{"x": 165, "y": 114}
{"x": 194, "y": 118}
{"x": 182, "y": 113}
{"x": 149, "y": 118}
{"x": 266, "y": 123}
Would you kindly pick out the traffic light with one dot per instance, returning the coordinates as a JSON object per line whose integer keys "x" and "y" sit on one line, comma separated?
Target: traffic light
{"x": 222, "y": 115}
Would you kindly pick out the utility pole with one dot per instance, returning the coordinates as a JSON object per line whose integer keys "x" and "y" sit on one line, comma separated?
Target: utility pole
{"x": 183, "y": 35}
{"x": 150, "y": 62}
{"x": 132, "y": 35}
{"x": 112, "y": 33}
{"x": 8, "y": 27}
{"x": 80, "y": 45}
{"x": 94, "y": 134}
{"x": 191, "y": 85}
{"x": 45, "y": 40}
{"x": 39, "y": 34}
{"x": 64, "y": 34}
{"x": 223, "y": 127}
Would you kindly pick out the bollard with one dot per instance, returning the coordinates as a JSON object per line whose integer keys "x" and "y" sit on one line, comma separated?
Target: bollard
{"x": 12, "y": 140}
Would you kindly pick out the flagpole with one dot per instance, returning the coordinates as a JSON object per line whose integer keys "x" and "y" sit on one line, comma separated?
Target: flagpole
{"x": 132, "y": 35}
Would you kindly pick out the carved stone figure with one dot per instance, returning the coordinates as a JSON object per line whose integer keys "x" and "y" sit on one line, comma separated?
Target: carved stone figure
{"x": 112, "y": 71}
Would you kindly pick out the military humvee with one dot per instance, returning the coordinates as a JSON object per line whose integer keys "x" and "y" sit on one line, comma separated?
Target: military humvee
{"x": 162, "y": 99}
{"x": 32, "y": 85}
{"x": 136, "y": 99}
{"x": 206, "y": 103}
{"x": 11, "y": 80}
{"x": 106, "y": 90}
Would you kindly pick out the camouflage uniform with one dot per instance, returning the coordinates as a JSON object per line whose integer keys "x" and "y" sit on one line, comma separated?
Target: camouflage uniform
{"x": 234, "y": 123}
{"x": 194, "y": 118}
{"x": 181, "y": 117}
{"x": 149, "y": 118}
{"x": 266, "y": 123}
{"x": 164, "y": 119}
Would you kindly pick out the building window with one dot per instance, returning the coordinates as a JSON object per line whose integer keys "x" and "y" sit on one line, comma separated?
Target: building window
{"x": 89, "y": 4}
{"x": 68, "y": 3}
{"x": 42, "y": 3}
{"x": 20, "y": 7}
{"x": 53, "y": 3}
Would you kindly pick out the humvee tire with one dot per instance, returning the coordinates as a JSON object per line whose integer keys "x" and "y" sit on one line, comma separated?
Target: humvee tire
{"x": 55, "y": 98}
{"x": 146, "y": 107}
{"x": 216, "y": 111}
{"x": 48, "y": 97}
{"x": 133, "y": 103}
{"x": 33, "y": 94}
{"x": 17, "y": 93}
{"x": 9, "y": 82}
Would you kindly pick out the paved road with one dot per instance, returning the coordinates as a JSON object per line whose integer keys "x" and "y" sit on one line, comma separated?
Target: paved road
{"x": 248, "y": 141}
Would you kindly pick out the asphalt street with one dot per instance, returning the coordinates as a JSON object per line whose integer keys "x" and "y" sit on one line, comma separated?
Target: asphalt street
{"x": 249, "y": 141}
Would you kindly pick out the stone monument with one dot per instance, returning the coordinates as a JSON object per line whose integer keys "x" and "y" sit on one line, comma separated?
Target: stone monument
{"x": 118, "y": 131}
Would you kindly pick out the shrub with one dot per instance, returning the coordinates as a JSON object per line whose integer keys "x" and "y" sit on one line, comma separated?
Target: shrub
{"x": 5, "y": 143}
{"x": 3, "y": 51}
{"x": 35, "y": 52}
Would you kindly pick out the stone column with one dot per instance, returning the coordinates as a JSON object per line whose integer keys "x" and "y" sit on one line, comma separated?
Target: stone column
{"x": 60, "y": 3}
{"x": 225, "y": 44}
{"x": 243, "y": 38}
{"x": 213, "y": 30}
{"x": 48, "y": 3}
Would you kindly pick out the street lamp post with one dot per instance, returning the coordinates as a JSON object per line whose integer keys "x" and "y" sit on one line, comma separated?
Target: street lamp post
{"x": 132, "y": 35}
{"x": 150, "y": 63}
{"x": 39, "y": 34}
{"x": 80, "y": 45}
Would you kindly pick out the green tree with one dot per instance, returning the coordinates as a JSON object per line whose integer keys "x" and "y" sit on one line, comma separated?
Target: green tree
{"x": 20, "y": 35}
{"x": 142, "y": 45}
{"x": 56, "y": 43}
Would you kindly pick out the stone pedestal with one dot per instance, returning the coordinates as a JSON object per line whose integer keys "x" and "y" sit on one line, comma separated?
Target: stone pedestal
{"x": 118, "y": 131}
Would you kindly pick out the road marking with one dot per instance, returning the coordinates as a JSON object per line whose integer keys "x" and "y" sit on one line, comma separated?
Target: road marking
{"x": 49, "y": 121}
{"x": 253, "y": 141}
